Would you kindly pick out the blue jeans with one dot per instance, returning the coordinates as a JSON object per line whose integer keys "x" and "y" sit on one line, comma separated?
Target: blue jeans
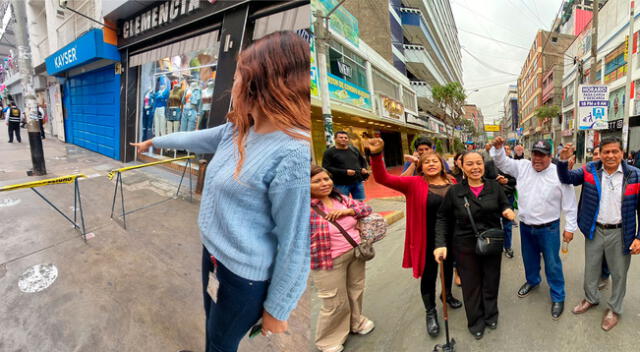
{"x": 188, "y": 121}
{"x": 356, "y": 190}
{"x": 238, "y": 306}
{"x": 545, "y": 241}
{"x": 506, "y": 226}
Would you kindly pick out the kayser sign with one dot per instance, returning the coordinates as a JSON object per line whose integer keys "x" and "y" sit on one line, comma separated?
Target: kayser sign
{"x": 159, "y": 15}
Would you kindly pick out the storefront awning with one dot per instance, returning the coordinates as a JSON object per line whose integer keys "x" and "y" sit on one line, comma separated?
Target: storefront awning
{"x": 88, "y": 48}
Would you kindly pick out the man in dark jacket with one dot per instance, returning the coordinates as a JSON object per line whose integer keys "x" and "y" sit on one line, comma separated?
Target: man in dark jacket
{"x": 607, "y": 217}
{"x": 347, "y": 166}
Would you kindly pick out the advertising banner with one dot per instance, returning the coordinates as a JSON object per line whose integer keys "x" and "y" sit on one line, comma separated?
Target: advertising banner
{"x": 314, "y": 69}
{"x": 492, "y": 128}
{"x": 347, "y": 92}
{"x": 341, "y": 21}
{"x": 593, "y": 102}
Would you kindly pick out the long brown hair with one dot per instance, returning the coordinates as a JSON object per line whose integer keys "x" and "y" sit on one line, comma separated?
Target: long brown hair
{"x": 443, "y": 169}
{"x": 274, "y": 79}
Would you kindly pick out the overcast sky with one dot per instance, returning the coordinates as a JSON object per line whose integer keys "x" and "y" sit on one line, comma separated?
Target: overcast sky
{"x": 511, "y": 21}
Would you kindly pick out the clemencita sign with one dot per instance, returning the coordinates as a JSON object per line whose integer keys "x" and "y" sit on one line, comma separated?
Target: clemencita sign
{"x": 157, "y": 16}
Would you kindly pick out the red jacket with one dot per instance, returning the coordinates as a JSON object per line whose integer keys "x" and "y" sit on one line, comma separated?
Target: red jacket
{"x": 415, "y": 189}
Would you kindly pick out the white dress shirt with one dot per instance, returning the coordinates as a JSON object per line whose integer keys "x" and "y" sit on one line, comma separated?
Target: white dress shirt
{"x": 610, "y": 209}
{"x": 541, "y": 196}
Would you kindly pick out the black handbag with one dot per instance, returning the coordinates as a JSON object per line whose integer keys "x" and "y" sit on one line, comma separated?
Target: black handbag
{"x": 489, "y": 242}
{"x": 364, "y": 251}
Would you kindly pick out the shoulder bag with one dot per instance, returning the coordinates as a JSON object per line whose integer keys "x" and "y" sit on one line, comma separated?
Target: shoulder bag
{"x": 489, "y": 242}
{"x": 373, "y": 228}
{"x": 364, "y": 251}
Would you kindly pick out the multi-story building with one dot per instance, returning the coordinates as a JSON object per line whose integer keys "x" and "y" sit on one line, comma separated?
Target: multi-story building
{"x": 546, "y": 52}
{"x": 473, "y": 113}
{"x": 611, "y": 69}
{"x": 420, "y": 39}
{"x": 509, "y": 123}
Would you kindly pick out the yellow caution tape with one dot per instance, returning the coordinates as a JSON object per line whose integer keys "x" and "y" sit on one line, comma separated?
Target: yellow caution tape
{"x": 47, "y": 182}
{"x": 115, "y": 171}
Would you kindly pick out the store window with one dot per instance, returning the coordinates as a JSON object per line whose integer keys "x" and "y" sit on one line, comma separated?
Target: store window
{"x": 383, "y": 84}
{"x": 409, "y": 99}
{"x": 345, "y": 64}
{"x": 176, "y": 88}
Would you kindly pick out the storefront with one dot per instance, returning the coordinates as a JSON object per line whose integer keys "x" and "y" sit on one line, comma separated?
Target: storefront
{"x": 87, "y": 70}
{"x": 179, "y": 60}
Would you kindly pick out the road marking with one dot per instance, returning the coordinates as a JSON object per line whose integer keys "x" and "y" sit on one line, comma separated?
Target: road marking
{"x": 38, "y": 278}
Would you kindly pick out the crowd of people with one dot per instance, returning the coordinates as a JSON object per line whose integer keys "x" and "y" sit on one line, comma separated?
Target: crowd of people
{"x": 451, "y": 211}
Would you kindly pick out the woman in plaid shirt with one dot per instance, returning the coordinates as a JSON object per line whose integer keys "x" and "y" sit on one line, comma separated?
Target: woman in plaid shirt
{"x": 337, "y": 275}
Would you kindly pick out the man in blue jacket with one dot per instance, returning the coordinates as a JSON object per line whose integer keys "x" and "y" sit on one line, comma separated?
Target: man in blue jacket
{"x": 607, "y": 214}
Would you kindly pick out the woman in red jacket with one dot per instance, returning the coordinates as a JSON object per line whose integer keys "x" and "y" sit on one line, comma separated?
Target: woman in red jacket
{"x": 424, "y": 195}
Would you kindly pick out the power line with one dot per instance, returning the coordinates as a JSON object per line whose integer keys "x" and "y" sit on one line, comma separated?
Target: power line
{"x": 487, "y": 65}
{"x": 492, "y": 85}
{"x": 535, "y": 15}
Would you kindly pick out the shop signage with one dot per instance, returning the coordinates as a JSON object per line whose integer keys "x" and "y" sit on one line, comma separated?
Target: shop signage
{"x": 391, "y": 108}
{"x": 157, "y": 16}
{"x": 593, "y": 102}
{"x": 313, "y": 68}
{"x": 347, "y": 92}
{"x": 341, "y": 21}
{"x": 492, "y": 128}
{"x": 89, "y": 47}
{"x": 344, "y": 68}
{"x": 615, "y": 125}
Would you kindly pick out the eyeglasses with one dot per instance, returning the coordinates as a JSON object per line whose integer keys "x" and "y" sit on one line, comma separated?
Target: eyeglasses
{"x": 611, "y": 186}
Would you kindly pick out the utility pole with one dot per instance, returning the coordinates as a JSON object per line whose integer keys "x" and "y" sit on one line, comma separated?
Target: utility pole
{"x": 322, "y": 43}
{"x": 323, "y": 36}
{"x": 627, "y": 89}
{"x": 576, "y": 83}
{"x": 594, "y": 59}
{"x": 26, "y": 70}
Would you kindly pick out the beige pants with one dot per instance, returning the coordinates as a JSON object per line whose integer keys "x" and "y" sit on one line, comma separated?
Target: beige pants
{"x": 341, "y": 291}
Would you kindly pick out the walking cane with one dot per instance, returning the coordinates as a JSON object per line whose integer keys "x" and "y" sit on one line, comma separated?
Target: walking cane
{"x": 450, "y": 345}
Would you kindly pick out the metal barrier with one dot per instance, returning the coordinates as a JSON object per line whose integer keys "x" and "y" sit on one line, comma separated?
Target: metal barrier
{"x": 118, "y": 174}
{"x": 77, "y": 201}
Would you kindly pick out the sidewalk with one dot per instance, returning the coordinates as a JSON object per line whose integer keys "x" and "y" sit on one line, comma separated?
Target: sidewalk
{"x": 376, "y": 193}
{"x": 123, "y": 290}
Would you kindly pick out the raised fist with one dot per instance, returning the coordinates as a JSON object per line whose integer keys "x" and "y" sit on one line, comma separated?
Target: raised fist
{"x": 376, "y": 145}
{"x": 498, "y": 142}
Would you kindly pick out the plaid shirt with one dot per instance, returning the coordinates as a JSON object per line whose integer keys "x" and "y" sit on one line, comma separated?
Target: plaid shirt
{"x": 320, "y": 235}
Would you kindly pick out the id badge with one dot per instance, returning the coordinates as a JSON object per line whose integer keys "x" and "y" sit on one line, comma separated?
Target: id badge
{"x": 212, "y": 288}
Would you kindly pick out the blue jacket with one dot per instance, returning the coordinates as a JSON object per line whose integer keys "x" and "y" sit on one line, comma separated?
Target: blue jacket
{"x": 590, "y": 176}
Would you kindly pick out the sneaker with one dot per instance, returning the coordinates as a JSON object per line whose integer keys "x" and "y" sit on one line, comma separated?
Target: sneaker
{"x": 508, "y": 252}
{"x": 365, "y": 327}
{"x": 338, "y": 348}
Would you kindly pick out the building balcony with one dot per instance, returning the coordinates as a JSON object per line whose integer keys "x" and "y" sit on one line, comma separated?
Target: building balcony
{"x": 420, "y": 65}
{"x": 423, "y": 90}
{"x": 416, "y": 31}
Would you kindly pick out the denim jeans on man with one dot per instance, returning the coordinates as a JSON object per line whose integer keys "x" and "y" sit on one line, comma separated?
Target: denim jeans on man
{"x": 507, "y": 227}
{"x": 545, "y": 241}
{"x": 236, "y": 309}
{"x": 356, "y": 190}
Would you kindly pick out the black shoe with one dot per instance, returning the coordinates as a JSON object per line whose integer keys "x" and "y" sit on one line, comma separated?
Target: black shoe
{"x": 492, "y": 326}
{"x": 508, "y": 252}
{"x": 525, "y": 290}
{"x": 433, "y": 328}
{"x": 478, "y": 334}
{"x": 452, "y": 301}
{"x": 556, "y": 310}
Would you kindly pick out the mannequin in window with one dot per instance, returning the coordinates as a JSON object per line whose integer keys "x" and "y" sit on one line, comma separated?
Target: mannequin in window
{"x": 175, "y": 108}
{"x": 147, "y": 114}
{"x": 207, "y": 98}
{"x": 160, "y": 104}
{"x": 192, "y": 101}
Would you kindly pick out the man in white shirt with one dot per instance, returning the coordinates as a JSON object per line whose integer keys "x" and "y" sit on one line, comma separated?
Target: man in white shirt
{"x": 608, "y": 210}
{"x": 541, "y": 199}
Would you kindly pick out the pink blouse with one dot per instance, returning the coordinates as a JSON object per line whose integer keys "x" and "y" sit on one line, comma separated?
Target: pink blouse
{"x": 339, "y": 244}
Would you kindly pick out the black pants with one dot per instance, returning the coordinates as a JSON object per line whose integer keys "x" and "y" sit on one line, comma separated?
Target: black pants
{"x": 42, "y": 129}
{"x": 430, "y": 276}
{"x": 480, "y": 276}
{"x": 14, "y": 128}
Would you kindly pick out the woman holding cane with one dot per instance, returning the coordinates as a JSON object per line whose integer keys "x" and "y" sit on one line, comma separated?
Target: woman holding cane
{"x": 480, "y": 274}
{"x": 254, "y": 212}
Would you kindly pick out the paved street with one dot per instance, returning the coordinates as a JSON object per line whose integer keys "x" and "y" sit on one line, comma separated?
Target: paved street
{"x": 133, "y": 290}
{"x": 392, "y": 300}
